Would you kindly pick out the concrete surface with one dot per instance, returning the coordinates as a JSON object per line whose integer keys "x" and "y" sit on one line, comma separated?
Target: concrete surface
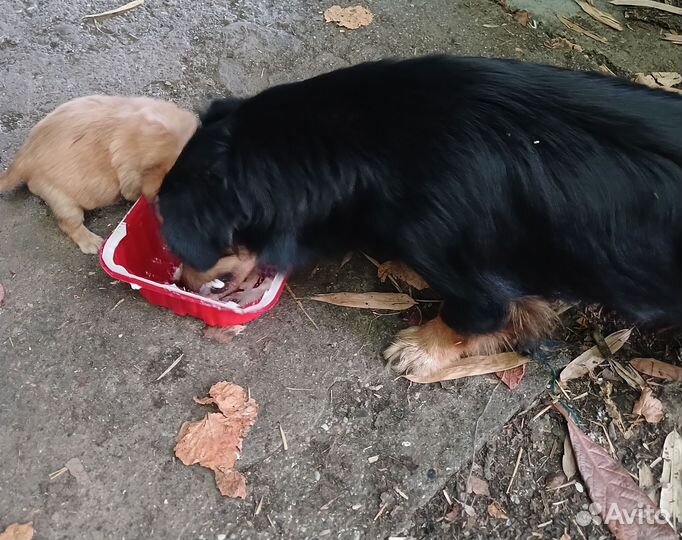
{"x": 77, "y": 376}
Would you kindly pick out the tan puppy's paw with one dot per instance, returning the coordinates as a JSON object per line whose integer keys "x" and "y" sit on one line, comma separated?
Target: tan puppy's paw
{"x": 88, "y": 241}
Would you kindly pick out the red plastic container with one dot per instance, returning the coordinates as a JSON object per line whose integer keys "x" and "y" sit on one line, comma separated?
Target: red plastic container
{"x": 135, "y": 253}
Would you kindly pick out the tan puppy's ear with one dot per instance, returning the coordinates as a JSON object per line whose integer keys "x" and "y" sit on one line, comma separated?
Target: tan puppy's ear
{"x": 162, "y": 141}
{"x": 152, "y": 179}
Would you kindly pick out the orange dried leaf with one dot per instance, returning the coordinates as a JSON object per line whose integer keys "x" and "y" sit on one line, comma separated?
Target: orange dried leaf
{"x": 478, "y": 486}
{"x": 353, "y": 17}
{"x": 221, "y": 334}
{"x": 649, "y": 407}
{"x": 522, "y": 17}
{"x": 401, "y": 272}
{"x": 512, "y": 377}
{"x": 18, "y": 531}
{"x": 215, "y": 442}
{"x": 453, "y": 514}
{"x": 562, "y": 43}
{"x": 613, "y": 490}
{"x": 370, "y": 300}
{"x": 657, "y": 369}
{"x": 495, "y": 511}
{"x": 472, "y": 365}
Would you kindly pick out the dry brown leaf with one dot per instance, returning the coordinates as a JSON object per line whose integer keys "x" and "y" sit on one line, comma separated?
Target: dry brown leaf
{"x": 370, "y": 300}
{"x": 657, "y": 369}
{"x": 2, "y": 294}
{"x": 512, "y": 377}
{"x": 472, "y": 365}
{"x": 496, "y": 511}
{"x": 18, "y": 531}
{"x": 673, "y": 37}
{"x": 478, "y": 486}
{"x": 401, "y": 272}
{"x": 580, "y": 30}
{"x": 648, "y": 4}
{"x": 215, "y": 442}
{"x": 613, "y": 490}
{"x": 522, "y": 17}
{"x": 614, "y": 413}
{"x": 555, "y": 480}
{"x": 353, "y": 17}
{"x": 562, "y": 43}
{"x": 667, "y": 78}
{"x": 116, "y": 11}
{"x": 671, "y": 477}
{"x": 228, "y": 397}
{"x": 649, "y": 407}
{"x": 599, "y": 15}
{"x": 660, "y": 80}
{"x": 453, "y": 514}
{"x": 591, "y": 358}
{"x": 221, "y": 334}
{"x": 568, "y": 463}
{"x": 628, "y": 374}
{"x": 646, "y": 481}
{"x": 611, "y": 407}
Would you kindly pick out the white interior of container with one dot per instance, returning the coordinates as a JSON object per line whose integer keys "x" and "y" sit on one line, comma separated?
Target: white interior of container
{"x": 123, "y": 274}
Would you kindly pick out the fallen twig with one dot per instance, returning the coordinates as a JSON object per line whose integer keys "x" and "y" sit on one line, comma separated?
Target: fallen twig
{"x": 648, "y": 4}
{"x": 516, "y": 470}
{"x": 300, "y": 305}
{"x": 169, "y": 368}
{"x": 599, "y": 15}
{"x": 473, "y": 449}
{"x": 378, "y": 264}
{"x": 115, "y": 11}
{"x": 285, "y": 445}
{"x": 673, "y": 38}
{"x": 580, "y": 30}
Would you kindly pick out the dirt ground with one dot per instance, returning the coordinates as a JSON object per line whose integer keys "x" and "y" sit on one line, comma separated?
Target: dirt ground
{"x": 79, "y": 354}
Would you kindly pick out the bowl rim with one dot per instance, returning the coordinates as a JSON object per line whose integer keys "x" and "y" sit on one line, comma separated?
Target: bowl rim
{"x": 136, "y": 282}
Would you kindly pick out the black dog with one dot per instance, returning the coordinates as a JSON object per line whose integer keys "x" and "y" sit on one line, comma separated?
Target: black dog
{"x": 502, "y": 183}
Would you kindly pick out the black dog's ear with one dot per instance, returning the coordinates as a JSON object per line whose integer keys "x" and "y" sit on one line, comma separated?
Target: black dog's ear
{"x": 219, "y": 109}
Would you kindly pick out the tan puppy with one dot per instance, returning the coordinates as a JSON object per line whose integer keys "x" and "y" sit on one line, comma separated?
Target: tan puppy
{"x": 92, "y": 150}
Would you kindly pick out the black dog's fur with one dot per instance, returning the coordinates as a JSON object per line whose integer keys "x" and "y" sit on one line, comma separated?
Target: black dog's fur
{"x": 493, "y": 179}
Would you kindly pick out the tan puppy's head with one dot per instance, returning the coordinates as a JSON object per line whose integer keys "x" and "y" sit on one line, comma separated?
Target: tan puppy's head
{"x": 160, "y": 136}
